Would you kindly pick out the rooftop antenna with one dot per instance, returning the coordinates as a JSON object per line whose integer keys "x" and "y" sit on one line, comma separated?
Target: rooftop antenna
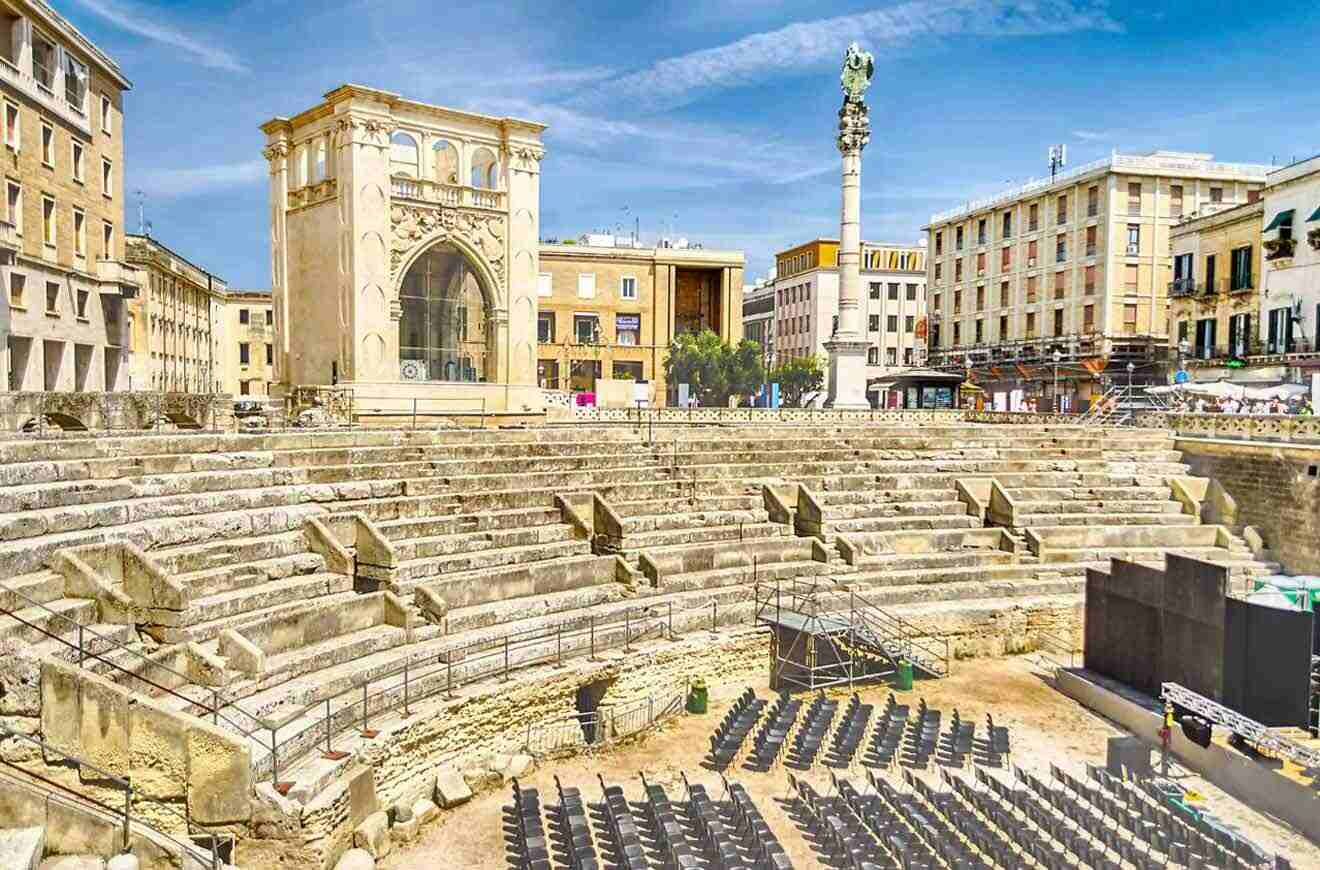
{"x": 1058, "y": 157}
{"x": 142, "y": 212}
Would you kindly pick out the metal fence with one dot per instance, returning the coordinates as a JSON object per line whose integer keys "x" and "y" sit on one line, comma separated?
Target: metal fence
{"x": 600, "y": 727}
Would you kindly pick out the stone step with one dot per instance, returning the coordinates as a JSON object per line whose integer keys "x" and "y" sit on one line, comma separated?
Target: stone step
{"x": 894, "y": 596}
{"x": 22, "y": 848}
{"x": 745, "y": 575}
{"x": 1099, "y": 508}
{"x": 24, "y": 590}
{"x": 216, "y": 609}
{"x": 468, "y": 543}
{"x": 840, "y": 509}
{"x": 524, "y": 582}
{"x": 939, "y": 522}
{"x": 33, "y": 624}
{"x": 963, "y": 558}
{"x": 550, "y": 604}
{"x": 195, "y": 558}
{"x": 213, "y": 582}
{"x": 639, "y": 525}
{"x": 414, "y": 527}
{"x": 412, "y": 572}
{"x": 869, "y": 575}
{"x": 733, "y": 533}
{"x": 207, "y": 630}
{"x": 1089, "y": 493}
{"x": 658, "y": 508}
{"x": 827, "y": 497}
{"x": 1155, "y": 555}
{"x": 1104, "y": 517}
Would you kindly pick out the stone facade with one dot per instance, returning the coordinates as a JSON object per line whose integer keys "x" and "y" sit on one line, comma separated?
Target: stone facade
{"x": 63, "y": 324}
{"x": 1213, "y": 308}
{"x": 247, "y": 343}
{"x": 174, "y": 324}
{"x": 612, "y": 312}
{"x": 364, "y": 186}
{"x": 1277, "y": 491}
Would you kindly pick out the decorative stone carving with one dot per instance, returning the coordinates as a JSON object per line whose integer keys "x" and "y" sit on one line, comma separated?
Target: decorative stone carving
{"x": 858, "y": 67}
{"x": 527, "y": 159}
{"x": 854, "y": 127}
{"x": 376, "y": 132}
{"x": 412, "y": 225}
{"x": 275, "y": 155}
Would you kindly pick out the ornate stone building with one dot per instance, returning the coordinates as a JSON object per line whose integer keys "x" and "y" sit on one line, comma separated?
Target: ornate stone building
{"x": 404, "y": 251}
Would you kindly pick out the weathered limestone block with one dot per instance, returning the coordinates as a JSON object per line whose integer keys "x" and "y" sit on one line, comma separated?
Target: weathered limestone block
{"x": 21, "y": 849}
{"x": 20, "y": 680}
{"x": 104, "y": 711}
{"x": 74, "y": 862}
{"x": 126, "y": 861}
{"x": 219, "y": 775}
{"x": 518, "y": 766}
{"x": 373, "y": 835}
{"x": 242, "y": 654}
{"x": 15, "y": 749}
{"x": 401, "y": 811}
{"x": 356, "y": 859}
{"x": 71, "y": 830}
{"x": 431, "y": 603}
{"x": 61, "y": 706}
{"x": 451, "y": 789}
{"x": 425, "y": 811}
{"x": 275, "y": 816}
{"x": 404, "y": 832}
{"x": 158, "y": 754}
{"x": 362, "y": 800}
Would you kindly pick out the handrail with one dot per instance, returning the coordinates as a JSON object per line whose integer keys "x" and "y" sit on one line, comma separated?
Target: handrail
{"x": 671, "y": 703}
{"x": 84, "y": 653}
{"x": 122, "y": 784}
{"x": 392, "y": 693}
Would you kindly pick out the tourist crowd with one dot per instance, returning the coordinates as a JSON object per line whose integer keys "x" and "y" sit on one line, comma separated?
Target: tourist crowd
{"x": 1300, "y": 406}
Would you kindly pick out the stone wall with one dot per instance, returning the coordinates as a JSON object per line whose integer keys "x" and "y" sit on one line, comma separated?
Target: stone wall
{"x": 1277, "y": 490}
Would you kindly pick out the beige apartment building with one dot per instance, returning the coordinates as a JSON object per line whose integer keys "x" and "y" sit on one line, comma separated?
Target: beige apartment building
{"x": 608, "y": 309}
{"x": 893, "y": 307}
{"x": 64, "y": 323}
{"x": 1067, "y": 278}
{"x": 247, "y": 343}
{"x": 175, "y": 323}
{"x": 1214, "y": 298}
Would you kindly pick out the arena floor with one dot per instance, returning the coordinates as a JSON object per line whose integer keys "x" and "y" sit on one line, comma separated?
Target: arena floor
{"x": 1046, "y": 728}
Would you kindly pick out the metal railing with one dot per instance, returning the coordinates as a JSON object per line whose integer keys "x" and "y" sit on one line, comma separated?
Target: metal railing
{"x": 497, "y": 656}
{"x": 94, "y": 646}
{"x": 211, "y": 855}
{"x": 415, "y": 407}
{"x": 602, "y": 726}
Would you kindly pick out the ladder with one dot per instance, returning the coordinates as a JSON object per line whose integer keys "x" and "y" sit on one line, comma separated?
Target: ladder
{"x": 1303, "y": 756}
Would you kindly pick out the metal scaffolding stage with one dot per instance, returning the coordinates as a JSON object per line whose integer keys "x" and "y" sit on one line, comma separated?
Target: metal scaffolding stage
{"x": 823, "y": 635}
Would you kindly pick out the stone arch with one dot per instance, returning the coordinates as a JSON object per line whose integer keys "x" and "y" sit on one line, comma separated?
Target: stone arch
{"x": 446, "y": 162}
{"x": 405, "y": 155}
{"x": 448, "y": 323}
{"x": 485, "y": 169}
{"x": 490, "y": 283}
{"x": 373, "y": 353}
{"x": 378, "y": 254}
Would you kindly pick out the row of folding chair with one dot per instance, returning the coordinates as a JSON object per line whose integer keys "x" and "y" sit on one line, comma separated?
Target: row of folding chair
{"x": 629, "y": 854}
{"x": 733, "y": 729}
{"x": 1105, "y": 818}
{"x": 997, "y": 746}
{"x": 849, "y": 735}
{"x": 810, "y": 737}
{"x": 883, "y": 748}
{"x": 840, "y": 831}
{"x": 1153, "y": 822}
{"x": 761, "y": 843}
{"x": 533, "y": 853}
{"x": 922, "y": 735}
{"x": 1082, "y": 834}
{"x": 770, "y": 739}
{"x": 988, "y": 838}
{"x": 676, "y": 853}
{"x": 945, "y": 838}
{"x": 574, "y": 829}
{"x": 902, "y": 820}
{"x": 958, "y": 742}
{"x": 717, "y": 841}
{"x": 1026, "y": 819}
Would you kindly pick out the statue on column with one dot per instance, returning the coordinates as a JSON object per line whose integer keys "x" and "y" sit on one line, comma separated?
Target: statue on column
{"x": 858, "y": 67}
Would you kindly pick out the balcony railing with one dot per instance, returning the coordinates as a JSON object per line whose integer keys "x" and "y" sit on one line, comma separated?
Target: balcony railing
{"x": 1090, "y": 250}
{"x": 44, "y": 94}
{"x": 1092, "y": 209}
{"x": 424, "y": 190}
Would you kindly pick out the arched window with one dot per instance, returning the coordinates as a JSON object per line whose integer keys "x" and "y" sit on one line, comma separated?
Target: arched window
{"x": 446, "y": 161}
{"x": 318, "y": 173}
{"x": 403, "y": 155}
{"x": 443, "y": 334}
{"x": 485, "y": 169}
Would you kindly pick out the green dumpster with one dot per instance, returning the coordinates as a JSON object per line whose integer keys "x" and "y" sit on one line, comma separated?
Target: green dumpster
{"x": 903, "y": 679}
{"x": 697, "y": 697}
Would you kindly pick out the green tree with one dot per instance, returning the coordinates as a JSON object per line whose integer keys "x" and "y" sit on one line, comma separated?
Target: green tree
{"x": 797, "y": 377}
{"x": 713, "y": 370}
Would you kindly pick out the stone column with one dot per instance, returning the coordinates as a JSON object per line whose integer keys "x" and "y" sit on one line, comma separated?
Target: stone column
{"x": 847, "y": 347}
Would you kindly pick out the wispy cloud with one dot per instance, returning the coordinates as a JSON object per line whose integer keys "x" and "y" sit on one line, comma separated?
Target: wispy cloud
{"x": 172, "y": 183}
{"x": 147, "y": 24}
{"x": 678, "y": 80}
{"x": 1093, "y": 135}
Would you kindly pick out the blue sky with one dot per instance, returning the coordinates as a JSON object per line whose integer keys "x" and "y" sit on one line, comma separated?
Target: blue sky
{"x": 715, "y": 118}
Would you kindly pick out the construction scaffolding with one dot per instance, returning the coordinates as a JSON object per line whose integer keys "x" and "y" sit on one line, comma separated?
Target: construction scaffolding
{"x": 824, "y": 635}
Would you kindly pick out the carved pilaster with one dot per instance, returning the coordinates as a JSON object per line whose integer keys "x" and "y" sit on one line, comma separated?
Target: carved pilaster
{"x": 276, "y": 153}
{"x": 526, "y": 158}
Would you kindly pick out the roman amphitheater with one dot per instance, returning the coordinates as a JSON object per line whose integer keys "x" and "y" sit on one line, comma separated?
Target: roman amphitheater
{"x": 459, "y": 647}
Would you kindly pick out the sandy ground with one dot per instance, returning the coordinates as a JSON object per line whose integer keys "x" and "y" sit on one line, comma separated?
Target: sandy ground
{"x": 1046, "y": 726}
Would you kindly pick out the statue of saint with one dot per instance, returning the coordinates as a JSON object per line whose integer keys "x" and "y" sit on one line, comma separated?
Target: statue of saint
{"x": 858, "y": 67}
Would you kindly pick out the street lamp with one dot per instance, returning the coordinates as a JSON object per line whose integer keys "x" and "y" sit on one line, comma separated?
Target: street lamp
{"x": 1058, "y": 355}
{"x": 1131, "y": 367}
